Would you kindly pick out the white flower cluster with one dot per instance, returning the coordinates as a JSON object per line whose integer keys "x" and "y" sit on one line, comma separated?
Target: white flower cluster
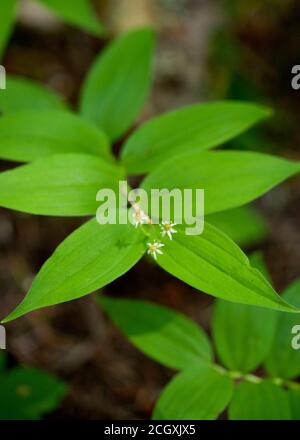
{"x": 167, "y": 229}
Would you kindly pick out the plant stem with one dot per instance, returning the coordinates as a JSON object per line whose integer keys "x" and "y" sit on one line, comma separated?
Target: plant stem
{"x": 238, "y": 376}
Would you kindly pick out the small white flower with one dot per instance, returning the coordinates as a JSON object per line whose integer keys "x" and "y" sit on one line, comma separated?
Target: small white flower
{"x": 154, "y": 249}
{"x": 167, "y": 228}
{"x": 140, "y": 218}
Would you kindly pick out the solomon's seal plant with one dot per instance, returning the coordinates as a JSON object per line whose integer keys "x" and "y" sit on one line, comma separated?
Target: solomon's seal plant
{"x": 244, "y": 337}
{"x": 69, "y": 159}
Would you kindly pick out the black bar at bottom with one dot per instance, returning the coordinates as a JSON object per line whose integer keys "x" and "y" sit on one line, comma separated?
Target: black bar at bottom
{"x": 140, "y": 429}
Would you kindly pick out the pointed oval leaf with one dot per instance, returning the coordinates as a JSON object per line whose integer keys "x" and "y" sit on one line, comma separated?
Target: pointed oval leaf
{"x": 284, "y": 360}
{"x": 165, "y": 335}
{"x": 197, "y": 394}
{"x": 61, "y": 185}
{"x": 214, "y": 264}
{"x": 259, "y": 401}
{"x": 7, "y": 18}
{"x": 90, "y": 258}
{"x": 243, "y": 335}
{"x": 194, "y": 128}
{"x": 229, "y": 178}
{"x": 25, "y": 94}
{"x": 118, "y": 83}
{"x": 28, "y": 393}
{"x": 78, "y": 13}
{"x": 29, "y": 135}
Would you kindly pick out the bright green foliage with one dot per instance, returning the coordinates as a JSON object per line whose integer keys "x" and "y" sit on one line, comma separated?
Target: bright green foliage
{"x": 31, "y": 135}
{"x": 194, "y": 128}
{"x": 164, "y": 335}
{"x": 198, "y": 394}
{"x": 7, "y": 19}
{"x": 229, "y": 178}
{"x": 259, "y": 401}
{"x": 71, "y": 163}
{"x": 211, "y": 262}
{"x": 244, "y": 225}
{"x": 25, "y": 94}
{"x": 109, "y": 251}
{"x": 28, "y": 393}
{"x": 61, "y": 185}
{"x": 243, "y": 335}
{"x": 284, "y": 361}
{"x": 76, "y": 12}
{"x": 119, "y": 82}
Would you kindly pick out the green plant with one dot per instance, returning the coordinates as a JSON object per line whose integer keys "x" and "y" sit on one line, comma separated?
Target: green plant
{"x": 78, "y": 13}
{"x": 27, "y": 393}
{"x": 71, "y": 160}
{"x": 245, "y": 338}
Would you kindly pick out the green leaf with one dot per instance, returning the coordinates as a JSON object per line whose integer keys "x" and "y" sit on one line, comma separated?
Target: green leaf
{"x": 294, "y": 398}
{"x": 164, "y": 335}
{"x": 243, "y": 335}
{"x": 118, "y": 83}
{"x": 27, "y": 136}
{"x": 78, "y": 13}
{"x": 284, "y": 360}
{"x": 244, "y": 225}
{"x": 259, "y": 401}
{"x": 93, "y": 256}
{"x": 229, "y": 178}
{"x": 25, "y": 94}
{"x": 27, "y": 394}
{"x": 211, "y": 262}
{"x": 198, "y": 394}
{"x": 194, "y": 128}
{"x": 61, "y": 185}
{"x": 7, "y": 19}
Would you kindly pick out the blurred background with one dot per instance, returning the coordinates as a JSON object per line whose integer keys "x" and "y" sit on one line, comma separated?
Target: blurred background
{"x": 207, "y": 49}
